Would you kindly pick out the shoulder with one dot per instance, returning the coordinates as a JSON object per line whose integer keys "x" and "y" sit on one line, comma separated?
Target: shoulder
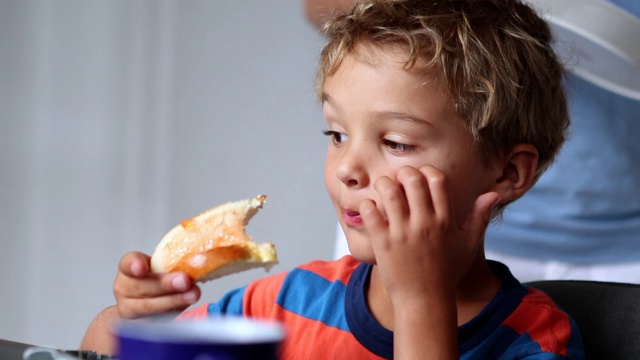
{"x": 537, "y": 308}
{"x": 522, "y": 321}
{"x": 538, "y": 318}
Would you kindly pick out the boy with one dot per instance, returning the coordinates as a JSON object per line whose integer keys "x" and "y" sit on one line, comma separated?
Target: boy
{"x": 439, "y": 114}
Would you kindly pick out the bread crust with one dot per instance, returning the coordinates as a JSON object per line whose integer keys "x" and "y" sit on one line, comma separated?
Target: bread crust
{"x": 214, "y": 243}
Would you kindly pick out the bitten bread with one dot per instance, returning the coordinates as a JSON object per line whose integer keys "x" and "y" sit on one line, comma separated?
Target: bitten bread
{"x": 214, "y": 243}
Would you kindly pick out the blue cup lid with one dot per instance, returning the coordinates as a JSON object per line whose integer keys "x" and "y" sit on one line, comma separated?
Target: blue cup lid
{"x": 216, "y": 330}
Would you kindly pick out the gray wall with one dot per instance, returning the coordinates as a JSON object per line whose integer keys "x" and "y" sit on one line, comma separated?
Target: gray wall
{"x": 120, "y": 118}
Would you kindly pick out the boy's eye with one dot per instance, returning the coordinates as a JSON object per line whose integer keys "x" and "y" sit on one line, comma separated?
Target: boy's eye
{"x": 397, "y": 147}
{"x": 336, "y": 137}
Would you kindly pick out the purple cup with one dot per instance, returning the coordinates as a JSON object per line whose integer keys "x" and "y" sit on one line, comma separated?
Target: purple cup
{"x": 223, "y": 338}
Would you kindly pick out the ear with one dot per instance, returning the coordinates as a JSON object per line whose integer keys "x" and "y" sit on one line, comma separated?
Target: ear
{"x": 517, "y": 173}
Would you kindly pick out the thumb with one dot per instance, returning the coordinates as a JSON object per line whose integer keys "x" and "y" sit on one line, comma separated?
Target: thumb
{"x": 477, "y": 221}
{"x": 135, "y": 264}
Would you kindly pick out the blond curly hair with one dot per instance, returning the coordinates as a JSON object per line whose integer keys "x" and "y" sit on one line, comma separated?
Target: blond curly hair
{"x": 494, "y": 58}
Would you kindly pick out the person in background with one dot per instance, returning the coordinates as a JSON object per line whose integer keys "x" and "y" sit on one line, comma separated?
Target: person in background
{"x": 582, "y": 218}
{"x": 427, "y": 143}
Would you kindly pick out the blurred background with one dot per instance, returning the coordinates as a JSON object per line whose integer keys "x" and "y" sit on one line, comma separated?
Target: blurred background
{"x": 120, "y": 118}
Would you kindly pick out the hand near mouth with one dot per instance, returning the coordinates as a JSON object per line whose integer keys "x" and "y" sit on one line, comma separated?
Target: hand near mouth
{"x": 419, "y": 247}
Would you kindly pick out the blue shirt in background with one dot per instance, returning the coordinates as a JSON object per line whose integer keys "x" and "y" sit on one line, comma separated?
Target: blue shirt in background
{"x": 586, "y": 208}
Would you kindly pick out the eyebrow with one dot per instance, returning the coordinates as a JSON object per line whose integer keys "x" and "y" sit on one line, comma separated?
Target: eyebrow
{"x": 402, "y": 116}
{"x": 326, "y": 98}
{"x": 385, "y": 115}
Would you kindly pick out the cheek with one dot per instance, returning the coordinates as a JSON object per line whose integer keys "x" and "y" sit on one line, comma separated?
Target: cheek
{"x": 327, "y": 179}
{"x": 330, "y": 178}
{"x": 467, "y": 184}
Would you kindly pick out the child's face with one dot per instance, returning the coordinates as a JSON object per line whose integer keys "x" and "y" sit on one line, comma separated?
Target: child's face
{"x": 381, "y": 118}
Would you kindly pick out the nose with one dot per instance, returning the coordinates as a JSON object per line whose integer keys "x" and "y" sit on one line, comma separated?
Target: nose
{"x": 351, "y": 168}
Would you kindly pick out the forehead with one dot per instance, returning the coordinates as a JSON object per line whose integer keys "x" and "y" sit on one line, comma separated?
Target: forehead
{"x": 376, "y": 55}
{"x": 375, "y": 84}
{"x": 398, "y": 56}
{"x": 384, "y": 68}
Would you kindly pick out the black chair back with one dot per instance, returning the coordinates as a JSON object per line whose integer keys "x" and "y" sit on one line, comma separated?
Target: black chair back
{"x": 607, "y": 313}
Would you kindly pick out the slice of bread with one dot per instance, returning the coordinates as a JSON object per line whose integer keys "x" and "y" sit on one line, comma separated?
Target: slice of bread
{"x": 214, "y": 243}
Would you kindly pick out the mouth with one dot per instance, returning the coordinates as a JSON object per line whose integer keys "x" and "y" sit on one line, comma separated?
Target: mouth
{"x": 351, "y": 218}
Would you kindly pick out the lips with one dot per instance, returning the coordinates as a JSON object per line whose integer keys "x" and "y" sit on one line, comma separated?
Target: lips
{"x": 352, "y": 218}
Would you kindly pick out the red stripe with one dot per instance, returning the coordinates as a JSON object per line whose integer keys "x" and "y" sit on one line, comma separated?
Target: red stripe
{"x": 547, "y": 325}
{"x": 318, "y": 341}
{"x": 260, "y": 296}
{"x": 339, "y": 271}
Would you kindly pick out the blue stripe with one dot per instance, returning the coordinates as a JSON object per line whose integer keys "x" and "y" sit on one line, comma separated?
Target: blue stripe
{"x": 314, "y": 297}
{"x": 505, "y": 343}
{"x": 229, "y": 304}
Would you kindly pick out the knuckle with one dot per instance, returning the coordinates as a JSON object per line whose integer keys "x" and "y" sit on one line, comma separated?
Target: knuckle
{"x": 414, "y": 180}
{"x": 124, "y": 310}
{"x": 368, "y": 211}
{"x": 388, "y": 190}
{"x": 437, "y": 179}
{"x": 146, "y": 306}
{"x": 411, "y": 177}
{"x": 119, "y": 289}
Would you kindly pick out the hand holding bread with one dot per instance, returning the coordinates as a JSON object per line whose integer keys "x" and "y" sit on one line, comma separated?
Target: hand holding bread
{"x": 140, "y": 293}
{"x": 207, "y": 246}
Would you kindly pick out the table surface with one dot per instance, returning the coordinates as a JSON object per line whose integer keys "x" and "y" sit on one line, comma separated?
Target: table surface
{"x": 11, "y": 350}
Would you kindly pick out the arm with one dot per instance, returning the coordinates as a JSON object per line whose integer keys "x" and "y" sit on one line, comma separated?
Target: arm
{"x": 138, "y": 293}
{"x": 98, "y": 336}
{"x": 426, "y": 328}
{"x": 421, "y": 257}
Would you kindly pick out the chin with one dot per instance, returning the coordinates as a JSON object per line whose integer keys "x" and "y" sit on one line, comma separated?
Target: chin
{"x": 360, "y": 248}
{"x": 371, "y": 260}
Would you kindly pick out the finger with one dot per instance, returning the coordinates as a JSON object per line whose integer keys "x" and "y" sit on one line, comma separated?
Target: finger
{"x": 135, "y": 308}
{"x": 438, "y": 191}
{"x": 135, "y": 264}
{"x": 152, "y": 285}
{"x": 393, "y": 201}
{"x": 417, "y": 190}
{"x": 478, "y": 219}
{"x": 371, "y": 216}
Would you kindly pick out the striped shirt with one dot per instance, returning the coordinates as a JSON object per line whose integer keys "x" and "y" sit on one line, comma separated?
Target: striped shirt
{"x": 323, "y": 308}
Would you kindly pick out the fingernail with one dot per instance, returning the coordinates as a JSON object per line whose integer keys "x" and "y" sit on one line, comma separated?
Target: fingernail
{"x": 179, "y": 283}
{"x": 189, "y": 297}
{"x": 136, "y": 269}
